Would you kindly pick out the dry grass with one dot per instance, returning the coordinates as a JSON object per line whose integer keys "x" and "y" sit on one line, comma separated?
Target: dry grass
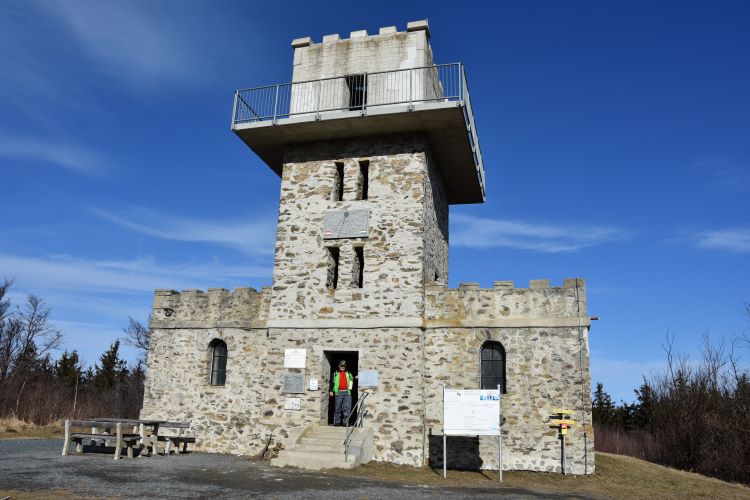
{"x": 36, "y": 495}
{"x": 616, "y": 477}
{"x": 12, "y": 428}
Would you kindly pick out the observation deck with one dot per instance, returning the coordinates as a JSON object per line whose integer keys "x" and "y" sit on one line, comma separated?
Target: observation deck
{"x": 433, "y": 100}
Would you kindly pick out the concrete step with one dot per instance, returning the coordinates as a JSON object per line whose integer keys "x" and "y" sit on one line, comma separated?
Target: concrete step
{"x": 313, "y": 460}
{"x": 322, "y": 447}
{"x": 332, "y": 441}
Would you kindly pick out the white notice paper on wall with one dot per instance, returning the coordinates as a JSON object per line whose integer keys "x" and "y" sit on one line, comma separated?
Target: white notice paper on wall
{"x": 313, "y": 384}
{"x": 471, "y": 412}
{"x": 294, "y": 358}
{"x": 368, "y": 378}
{"x": 292, "y": 403}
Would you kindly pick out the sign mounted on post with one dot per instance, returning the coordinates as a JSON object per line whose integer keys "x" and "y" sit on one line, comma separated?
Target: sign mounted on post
{"x": 472, "y": 412}
{"x": 295, "y": 358}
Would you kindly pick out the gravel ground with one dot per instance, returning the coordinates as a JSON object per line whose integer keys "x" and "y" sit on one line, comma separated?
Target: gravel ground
{"x": 36, "y": 464}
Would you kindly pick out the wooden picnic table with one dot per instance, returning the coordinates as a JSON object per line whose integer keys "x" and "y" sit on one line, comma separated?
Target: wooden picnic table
{"x": 145, "y": 438}
{"x": 148, "y": 440}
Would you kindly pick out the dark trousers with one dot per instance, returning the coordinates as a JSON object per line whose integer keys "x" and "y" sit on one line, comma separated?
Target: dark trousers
{"x": 342, "y": 408}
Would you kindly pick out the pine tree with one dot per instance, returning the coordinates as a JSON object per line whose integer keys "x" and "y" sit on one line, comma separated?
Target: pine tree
{"x": 68, "y": 368}
{"x": 602, "y": 407}
{"x": 111, "y": 369}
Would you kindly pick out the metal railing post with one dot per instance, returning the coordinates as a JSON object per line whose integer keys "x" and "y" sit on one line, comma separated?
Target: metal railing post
{"x": 275, "y": 103}
{"x": 411, "y": 96}
{"x": 234, "y": 110}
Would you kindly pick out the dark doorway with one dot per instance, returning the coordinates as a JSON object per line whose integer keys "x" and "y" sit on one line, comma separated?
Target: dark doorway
{"x": 352, "y": 365}
{"x": 357, "y": 85}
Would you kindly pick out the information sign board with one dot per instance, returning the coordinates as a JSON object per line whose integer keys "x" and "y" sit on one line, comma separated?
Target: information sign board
{"x": 471, "y": 412}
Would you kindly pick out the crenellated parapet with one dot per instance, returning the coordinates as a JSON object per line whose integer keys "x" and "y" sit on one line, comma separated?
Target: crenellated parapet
{"x": 218, "y": 307}
{"x": 505, "y": 305}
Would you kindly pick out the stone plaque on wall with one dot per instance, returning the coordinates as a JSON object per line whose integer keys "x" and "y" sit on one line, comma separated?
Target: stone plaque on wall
{"x": 346, "y": 224}
{"x": 294, "y": 383}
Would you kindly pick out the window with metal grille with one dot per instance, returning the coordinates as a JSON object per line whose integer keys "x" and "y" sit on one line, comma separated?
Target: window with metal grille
{"x": 357, "y": 85}
{"x": 493, "y": 366}
{"x": 218, "y": 349}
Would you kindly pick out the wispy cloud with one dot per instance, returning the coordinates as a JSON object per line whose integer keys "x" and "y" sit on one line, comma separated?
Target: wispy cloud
{"x": 732, "y": 240}
{"x": 477, "y": 232}
{"x": 131, "y": 41}
{"x": 64, "y": 273}
{"x": 723, "y": 174}
{"x": 71, "y": 157}
{"x": 253, "y": 236}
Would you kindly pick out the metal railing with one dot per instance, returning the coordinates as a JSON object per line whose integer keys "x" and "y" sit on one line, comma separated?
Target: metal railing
{"x": 437, "y": 83}
{"x": 357, "y": 423}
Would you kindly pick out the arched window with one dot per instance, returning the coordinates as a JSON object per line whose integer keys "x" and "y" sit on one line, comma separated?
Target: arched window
{"x": 218, "y": 350}
{"x": 493, "y": 366}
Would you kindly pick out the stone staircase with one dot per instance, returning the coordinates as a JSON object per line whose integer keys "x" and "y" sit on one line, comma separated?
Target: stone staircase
{"x": 322, "y": 447}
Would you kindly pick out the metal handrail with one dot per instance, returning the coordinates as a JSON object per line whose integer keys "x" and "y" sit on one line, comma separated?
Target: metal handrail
{"x": 357, "y": 423}
{"x": 436, "y": 83}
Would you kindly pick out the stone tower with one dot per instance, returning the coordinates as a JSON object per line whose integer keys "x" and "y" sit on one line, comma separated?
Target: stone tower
{"x": 373, "y": 142}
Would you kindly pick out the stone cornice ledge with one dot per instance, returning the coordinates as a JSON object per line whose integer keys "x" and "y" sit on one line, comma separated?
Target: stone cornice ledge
{"x": 369, "y": 323}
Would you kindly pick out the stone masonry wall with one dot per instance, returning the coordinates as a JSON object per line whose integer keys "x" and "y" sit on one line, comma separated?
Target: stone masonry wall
{"x": 547, "y": 367}
{"x": 436, "y": 226}
{"x": 240, "y": 417}
{"x": 393, "y": 251}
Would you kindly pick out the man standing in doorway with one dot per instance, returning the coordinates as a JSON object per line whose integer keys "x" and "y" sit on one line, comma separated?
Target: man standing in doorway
{"x": 342, "y": 392}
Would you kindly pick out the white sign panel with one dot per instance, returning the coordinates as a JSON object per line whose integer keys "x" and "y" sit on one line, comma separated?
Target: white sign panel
{"x": 313, "y": 384}
{"x": 292, "y": 404}
{"x": 294, "y": 358}
{"x": 368, "y": 378}
{"x": 471, "y": 412}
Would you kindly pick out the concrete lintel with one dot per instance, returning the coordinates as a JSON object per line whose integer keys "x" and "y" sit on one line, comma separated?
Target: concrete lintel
{"x": 419, "y": 26}
{"x": 302, "y": 42}
{"x": 199, "y": 324}
{"x": 361, "y": 323}
{"x": 508, "y": 323}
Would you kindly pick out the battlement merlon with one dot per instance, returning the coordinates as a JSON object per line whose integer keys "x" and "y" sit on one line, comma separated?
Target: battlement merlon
{"x": 217, "y": 308}
{"x": 389, "y": 50}
{"x": 539, "y": 305}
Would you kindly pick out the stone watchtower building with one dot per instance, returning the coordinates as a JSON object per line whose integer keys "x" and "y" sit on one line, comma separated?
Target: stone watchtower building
{"x": 373, "y": 142}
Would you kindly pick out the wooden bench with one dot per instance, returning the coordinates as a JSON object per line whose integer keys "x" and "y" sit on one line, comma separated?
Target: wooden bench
{"x": 176, "y": 440}
{"x": 121, "y": 439}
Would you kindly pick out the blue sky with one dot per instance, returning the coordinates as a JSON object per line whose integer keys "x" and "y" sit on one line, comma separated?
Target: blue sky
{"x": 615, "y": 138}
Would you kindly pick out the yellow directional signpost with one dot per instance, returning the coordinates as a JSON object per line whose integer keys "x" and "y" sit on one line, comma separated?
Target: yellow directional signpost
{"x": 560, "y": 419}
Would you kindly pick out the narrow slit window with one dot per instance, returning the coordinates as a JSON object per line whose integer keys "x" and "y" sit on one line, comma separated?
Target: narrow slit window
{"x": 218, "y": 350}
{"x": 364, "y": 179}
{"x": 357, "y": 85}
{"x": 332, "y": 279}
{"x": 338, "y": 182}
{"x": 359, "y": 267}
